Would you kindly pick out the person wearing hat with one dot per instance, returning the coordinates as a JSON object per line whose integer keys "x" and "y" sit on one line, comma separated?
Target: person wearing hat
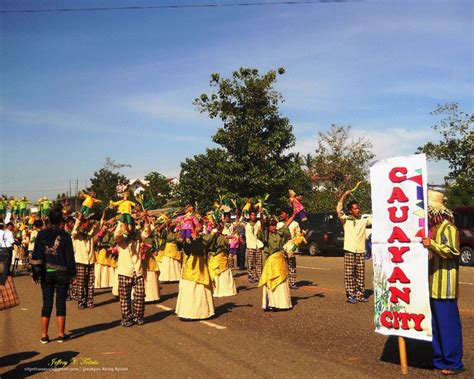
{"x": 443, "y": 245}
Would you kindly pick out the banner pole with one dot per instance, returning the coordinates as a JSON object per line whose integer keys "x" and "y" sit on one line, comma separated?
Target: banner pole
{"x": 403, "y": 355}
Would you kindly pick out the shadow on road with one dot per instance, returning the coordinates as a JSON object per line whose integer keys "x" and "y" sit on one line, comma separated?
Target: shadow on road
{"x": 168, "y": 296}
{"x": 228, "y": 307}
{"x": 244, "y": 288}
{"x": 13, "y": 359}
{"x": 62, "y": 359}
{"x": 303, "y": 283}
{"x": 106, "y": 302}
{"x": 419, "y": 353}
{"x": 368, "y": 293}
{"x": 296, "y": 299}
{"x": 77, "y": 333}
{"x": 158, "y": 316}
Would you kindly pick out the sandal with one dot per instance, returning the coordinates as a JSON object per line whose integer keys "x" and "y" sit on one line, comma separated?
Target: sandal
{"x": 451, "y": 371}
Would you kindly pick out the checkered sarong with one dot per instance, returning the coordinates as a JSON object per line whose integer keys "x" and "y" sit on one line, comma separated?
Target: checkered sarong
{"x": 84, "y": 292}
{"x": 132, "y": 310}
{"x": 354, "y": 273}
{"x": 254, "y": 264}
{"x": 291, "y": 269}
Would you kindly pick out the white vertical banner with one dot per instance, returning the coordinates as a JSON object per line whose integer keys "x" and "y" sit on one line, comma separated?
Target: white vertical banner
{"x": 401, "y": 283}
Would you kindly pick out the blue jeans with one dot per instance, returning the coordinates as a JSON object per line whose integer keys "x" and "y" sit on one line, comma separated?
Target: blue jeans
{"x": 447, "y": 334}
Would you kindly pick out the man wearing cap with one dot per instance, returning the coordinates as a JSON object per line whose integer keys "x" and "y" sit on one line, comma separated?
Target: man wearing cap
{"x": 443, "y": 245}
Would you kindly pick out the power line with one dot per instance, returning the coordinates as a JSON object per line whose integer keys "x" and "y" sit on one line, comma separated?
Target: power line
{"x": 182, "y": 6}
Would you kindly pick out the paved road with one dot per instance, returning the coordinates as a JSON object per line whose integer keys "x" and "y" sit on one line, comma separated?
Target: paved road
{"x": 321, "y": 337}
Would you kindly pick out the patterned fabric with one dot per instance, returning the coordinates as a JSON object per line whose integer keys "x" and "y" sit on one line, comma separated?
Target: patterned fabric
{"x": 132, "y": 310}
{"x": 8, "y": 295}
{"x": 444, "y": 266}
{"x": 354, "y": 272}
{"x": 254, "y": 264}
{"x": 292, "y": 269}
{"x": 85, "y": 284}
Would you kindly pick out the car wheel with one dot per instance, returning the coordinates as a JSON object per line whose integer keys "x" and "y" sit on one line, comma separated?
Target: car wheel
{"x": 313, "y": 249}
{"x": 467, "y": 256}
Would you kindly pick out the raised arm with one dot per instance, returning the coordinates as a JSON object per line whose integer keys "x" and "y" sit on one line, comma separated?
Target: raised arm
{"x": 340, "y": 205}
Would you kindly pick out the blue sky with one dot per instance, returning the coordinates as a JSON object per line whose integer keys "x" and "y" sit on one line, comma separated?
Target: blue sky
{"x": 77, "y": 87}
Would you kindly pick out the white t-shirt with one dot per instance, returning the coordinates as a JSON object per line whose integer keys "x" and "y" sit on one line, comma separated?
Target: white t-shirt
{"x": 6, "y": 238}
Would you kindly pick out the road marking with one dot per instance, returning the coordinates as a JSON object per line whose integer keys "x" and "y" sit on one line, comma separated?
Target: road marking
{"x": 164, "y": 307}
{"x": 466, "y": 283}
{"x": 212, "y": 325}
{"x": 208, "y": 323}
{"x": 314, "y": 268}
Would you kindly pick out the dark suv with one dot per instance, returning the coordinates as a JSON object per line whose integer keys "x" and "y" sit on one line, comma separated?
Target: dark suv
{"x": 325, "y": 233}
{"x": 464, "y": 220}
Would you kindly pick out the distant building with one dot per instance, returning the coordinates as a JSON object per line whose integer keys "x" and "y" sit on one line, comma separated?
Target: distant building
{"x": 172, "y": 181}
{"x": 135, "y": 183}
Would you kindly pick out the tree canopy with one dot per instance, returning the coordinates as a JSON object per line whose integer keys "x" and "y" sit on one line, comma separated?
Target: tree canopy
{"x": 456, "y": 146}
{"x": 254, "y": 139}
{"x": 339, "y": 162}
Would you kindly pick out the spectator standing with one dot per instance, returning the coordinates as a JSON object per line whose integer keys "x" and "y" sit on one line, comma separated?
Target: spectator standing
{"x": 56, "y": 267}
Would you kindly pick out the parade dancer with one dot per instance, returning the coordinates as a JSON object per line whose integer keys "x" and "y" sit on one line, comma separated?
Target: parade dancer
{"x": 130, "y": 273}
{"x": 290, "y": 248}
{"x": 83, "y": 241}
{"x": 274, "y": 280}
{"x": 354, "y": 249}
{"x": 219, "y": 269}
{"x": 195, "y": 301}
{"x": 254, "y": 246}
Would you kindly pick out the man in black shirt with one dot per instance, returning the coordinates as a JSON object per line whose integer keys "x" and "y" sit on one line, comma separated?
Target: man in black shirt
{"x": 55, "y": 256}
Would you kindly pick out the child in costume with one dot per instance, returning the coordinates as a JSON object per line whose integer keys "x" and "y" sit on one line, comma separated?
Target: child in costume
{"x": 298, "y": 208}
{"x": 88, "y": 203}
{"x": 187, "y": 224}
{"x": 234, "y": 244}
{"x": 125, "y": 209}
{"x": 23, "y": 206}
{"x": 3, "y": 207}
{"x": 46, "y": 207}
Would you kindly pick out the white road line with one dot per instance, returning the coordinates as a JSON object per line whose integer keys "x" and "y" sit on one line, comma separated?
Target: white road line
{"x": 466, "y": 283}
{"x": 208, "y": 323}
{"x": 212, "y": 325}
{"x": 315, "y": 268}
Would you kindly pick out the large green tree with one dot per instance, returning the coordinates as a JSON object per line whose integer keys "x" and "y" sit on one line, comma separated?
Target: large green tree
{"x": 456, "y": 146}
{"x": 201, "y": 179}
{"x": 158, "y": 188}
{"x": 339, "y": 162}
{"x": 254, "y": 137}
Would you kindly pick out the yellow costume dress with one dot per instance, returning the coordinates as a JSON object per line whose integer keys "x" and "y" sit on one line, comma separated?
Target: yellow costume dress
{"x": 170, "y": 259}
{"x": 274, "y": 279}
{"x": 195, "y": 300}
{"x": 219, "y": 270}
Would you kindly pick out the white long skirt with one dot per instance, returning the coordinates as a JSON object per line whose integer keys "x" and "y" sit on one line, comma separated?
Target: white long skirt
{"x": 194, "y": 301}
{"x": 152, "y": 286}
{"x": 225, "y": 285}
{"x": 104, "y": 276}
{"x": 115, "y": 286}
{"x": 170, "y": 270}
{"x": 279, "y": 298}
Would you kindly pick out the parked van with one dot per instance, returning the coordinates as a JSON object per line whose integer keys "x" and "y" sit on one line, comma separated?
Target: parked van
{"x": 326, "y": 234}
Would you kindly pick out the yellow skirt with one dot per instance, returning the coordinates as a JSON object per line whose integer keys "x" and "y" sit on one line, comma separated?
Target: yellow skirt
{"x": 274, "y": 272}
